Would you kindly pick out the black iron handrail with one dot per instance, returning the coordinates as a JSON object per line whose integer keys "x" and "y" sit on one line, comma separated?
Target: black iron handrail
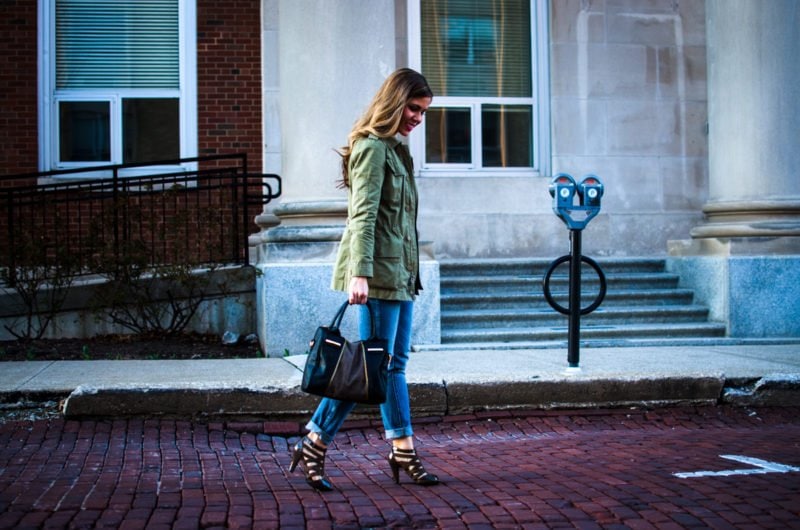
{"x": 191, "y": 216}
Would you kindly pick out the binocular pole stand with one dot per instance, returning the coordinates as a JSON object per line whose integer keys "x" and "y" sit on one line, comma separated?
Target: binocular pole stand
{"x": 574, "y": 310}
{"x": 564, "y": 190}
{"x": 574, "y": 334}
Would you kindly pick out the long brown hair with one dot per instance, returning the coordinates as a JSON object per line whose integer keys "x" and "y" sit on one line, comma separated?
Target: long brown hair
{"x": 385, "y": 113}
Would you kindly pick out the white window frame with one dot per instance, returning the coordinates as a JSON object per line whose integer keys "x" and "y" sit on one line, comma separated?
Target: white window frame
{"x": 540, "y": 67}
{"x": 49, "y": 99}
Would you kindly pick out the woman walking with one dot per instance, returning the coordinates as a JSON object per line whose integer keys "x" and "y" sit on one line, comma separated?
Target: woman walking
{"x": 378, "y": 264}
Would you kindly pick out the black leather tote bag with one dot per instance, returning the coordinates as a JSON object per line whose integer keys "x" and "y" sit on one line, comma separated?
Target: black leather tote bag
{"x": 344, "y": 370}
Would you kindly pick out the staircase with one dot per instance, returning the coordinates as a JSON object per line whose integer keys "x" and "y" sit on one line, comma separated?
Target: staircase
{"x": 491, "y": 303}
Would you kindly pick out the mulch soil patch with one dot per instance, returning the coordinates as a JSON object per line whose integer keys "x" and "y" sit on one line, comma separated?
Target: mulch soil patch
{"x": 128, "y": 347}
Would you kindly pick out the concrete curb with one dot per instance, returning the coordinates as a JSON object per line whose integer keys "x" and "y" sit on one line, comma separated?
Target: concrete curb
{"x": 595, "y": 393}
{"x": 781, "y": 390}
{"x": 426, "y": 399}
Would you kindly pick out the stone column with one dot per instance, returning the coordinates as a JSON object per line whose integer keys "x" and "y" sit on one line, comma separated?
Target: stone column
{"x": 754, "y": 119}
{"x": 744, "y": 260}
{"x": 332, "y": 58}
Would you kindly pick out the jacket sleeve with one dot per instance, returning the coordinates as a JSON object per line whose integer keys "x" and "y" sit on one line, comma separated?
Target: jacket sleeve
{"x": 367, "y": 171}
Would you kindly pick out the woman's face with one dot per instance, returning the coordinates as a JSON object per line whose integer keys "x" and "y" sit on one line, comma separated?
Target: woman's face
{"x": 412, "y": 114}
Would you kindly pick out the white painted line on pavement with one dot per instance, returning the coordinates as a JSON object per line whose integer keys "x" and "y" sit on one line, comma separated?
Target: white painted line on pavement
{"x": 762, "y": 466}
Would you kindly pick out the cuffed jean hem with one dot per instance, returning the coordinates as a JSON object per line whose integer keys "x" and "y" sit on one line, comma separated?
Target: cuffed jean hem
{"x": 399, "y": 433}
{"x": 326, "y": 438}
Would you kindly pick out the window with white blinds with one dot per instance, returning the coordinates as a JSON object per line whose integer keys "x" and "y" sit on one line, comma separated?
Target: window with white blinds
{"x": 119, "y": 81}
{"x": 113, "y": 43}
{"x": 485, "y": 61}
{"x": 477, "y": 47}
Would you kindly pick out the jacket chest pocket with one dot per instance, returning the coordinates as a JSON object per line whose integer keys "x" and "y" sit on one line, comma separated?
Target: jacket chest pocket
{"x": 395, "y": 181}
{"x": 392, "y": 218}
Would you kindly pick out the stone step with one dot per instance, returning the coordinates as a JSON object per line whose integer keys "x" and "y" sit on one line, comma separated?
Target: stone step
{"x": 633, "y": 297}
{"x": 537, "y": 267}
{"x": 502, "y": 302}
{"x": 588, "y": 332}
{"x": 622, "y": 315}
{"x": 533, "y": 284}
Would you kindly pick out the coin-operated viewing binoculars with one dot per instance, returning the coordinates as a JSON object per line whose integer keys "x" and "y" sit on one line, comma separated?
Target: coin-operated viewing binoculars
{"x": 576, "y": 215}
{"x": 563, "y": 189}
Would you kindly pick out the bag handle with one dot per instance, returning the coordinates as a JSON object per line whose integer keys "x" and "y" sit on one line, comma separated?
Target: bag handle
{"x": 337, "y": 319}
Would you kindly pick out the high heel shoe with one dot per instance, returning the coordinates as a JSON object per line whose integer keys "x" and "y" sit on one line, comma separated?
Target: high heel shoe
{"x": 313, "y": 457}
{"x": 411, "y": 464}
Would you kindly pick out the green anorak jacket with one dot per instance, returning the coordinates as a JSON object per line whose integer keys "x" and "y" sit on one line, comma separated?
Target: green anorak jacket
{"x": 380, "y": 237}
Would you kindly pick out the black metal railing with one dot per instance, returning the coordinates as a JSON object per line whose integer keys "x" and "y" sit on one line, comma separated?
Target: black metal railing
{"x": 198, "y": 217}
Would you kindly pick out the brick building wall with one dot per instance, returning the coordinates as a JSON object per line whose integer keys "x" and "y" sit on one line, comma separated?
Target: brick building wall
{"x": 228, "y": 93}
{"x": 18, "y": 95}
{"x": 229, "y": 79}
{"x": 228, "y": 71}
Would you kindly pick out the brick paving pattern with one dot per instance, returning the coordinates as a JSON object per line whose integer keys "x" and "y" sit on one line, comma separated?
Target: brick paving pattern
{"x": 535, "y": 469}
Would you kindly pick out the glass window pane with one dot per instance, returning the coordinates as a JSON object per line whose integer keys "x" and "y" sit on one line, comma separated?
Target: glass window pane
{"x": 477, "y": 48}
{"x": 150, "y": 129}
{"x": 84, "y": 134}
{"x": 507, "y": 138}
{"x": 448, "y": 136}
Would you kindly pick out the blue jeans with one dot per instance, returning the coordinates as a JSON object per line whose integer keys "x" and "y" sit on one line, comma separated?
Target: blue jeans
{"x": 392, "y": 322}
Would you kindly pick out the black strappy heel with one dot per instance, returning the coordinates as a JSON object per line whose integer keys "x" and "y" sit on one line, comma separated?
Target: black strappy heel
{"x": 412, "y": 465}
{"x": 313, "y": 457}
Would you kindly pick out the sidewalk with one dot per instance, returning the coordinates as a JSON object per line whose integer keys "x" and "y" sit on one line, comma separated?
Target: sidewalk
{"x": 444, "y": 382}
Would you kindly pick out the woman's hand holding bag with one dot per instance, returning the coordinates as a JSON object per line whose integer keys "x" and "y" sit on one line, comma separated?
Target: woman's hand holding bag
{"x": 344, "y": 370}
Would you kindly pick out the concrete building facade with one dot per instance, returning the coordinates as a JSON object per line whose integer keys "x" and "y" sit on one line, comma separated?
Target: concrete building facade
{"x": 671, "y": 103}
{"x": 687, "y": 110}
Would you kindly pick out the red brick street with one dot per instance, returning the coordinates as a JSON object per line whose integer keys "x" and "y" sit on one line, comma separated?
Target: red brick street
{"x": 526, "y": 469}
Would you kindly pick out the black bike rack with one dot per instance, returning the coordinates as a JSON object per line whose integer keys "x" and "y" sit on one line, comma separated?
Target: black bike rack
{"x": 564, "y": 191}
